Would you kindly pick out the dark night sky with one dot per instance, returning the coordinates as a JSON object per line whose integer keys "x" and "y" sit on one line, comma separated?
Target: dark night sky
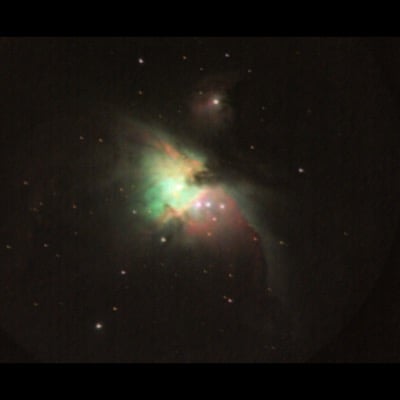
{"x": 305, "y": 141}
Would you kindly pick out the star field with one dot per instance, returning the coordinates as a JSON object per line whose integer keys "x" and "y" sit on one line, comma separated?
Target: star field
{"x": 184, "y": 199}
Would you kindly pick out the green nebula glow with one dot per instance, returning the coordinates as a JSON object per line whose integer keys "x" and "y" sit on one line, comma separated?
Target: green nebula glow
{"x": 168, "y": 181}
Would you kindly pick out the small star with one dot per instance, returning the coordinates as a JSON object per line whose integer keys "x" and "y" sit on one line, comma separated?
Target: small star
{"x": 346, "y": 233}
{"x": 228, "y": 299}
{"x": 99, "y": 326}
{"x": 58, "y": 255}
{"x": 140, "y": 92}
{"x": 8, "y": 246}
{"x": 134, "y": 212}
{"x": 140, "y": 61}
{"x": 222, "y": 206}
{"x": 215, "y": 101}
{"x": 208, "y": 204}
{"x": 123, "y": 272}
{"x": 26, "y": 183}
{"x": 227, "y": 55}
{"x": 81, "y": 138}
{"x": 45, "y": 245}
{"x": 101, "y": 140}
{"x": 184, "y": 58}
{"x": 35, "y": 304}
{"x": 202, "y": 69}
{"x": 301, "y": 170}
{"x": 74, "y": 206}
{"x": 163, "y": 239}
{"x": 249, "y": 71}
{"x": 252, "y": 147}
{"x": 282, "y": 243}
{"x": 115, "y": 308}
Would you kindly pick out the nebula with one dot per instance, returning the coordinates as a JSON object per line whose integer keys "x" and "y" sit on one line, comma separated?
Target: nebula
{"x": 177, "y": 200}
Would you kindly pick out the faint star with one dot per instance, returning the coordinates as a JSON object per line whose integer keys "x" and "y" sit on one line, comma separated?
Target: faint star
{"x": 99, "y": 326}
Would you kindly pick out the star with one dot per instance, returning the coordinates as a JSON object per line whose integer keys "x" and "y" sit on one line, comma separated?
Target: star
{"x": 99, "y": 326}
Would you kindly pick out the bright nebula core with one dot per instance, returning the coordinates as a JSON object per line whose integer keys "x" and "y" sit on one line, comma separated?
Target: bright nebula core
{"x": 169, "y": 180}
{"x": 176, "y": 185}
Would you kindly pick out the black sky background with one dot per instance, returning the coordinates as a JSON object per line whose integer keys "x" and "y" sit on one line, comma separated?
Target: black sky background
{"x": 329, "y": 106}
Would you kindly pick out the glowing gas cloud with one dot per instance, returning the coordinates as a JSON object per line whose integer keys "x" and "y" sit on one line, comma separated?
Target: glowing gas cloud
{"x": 176, "y": 185}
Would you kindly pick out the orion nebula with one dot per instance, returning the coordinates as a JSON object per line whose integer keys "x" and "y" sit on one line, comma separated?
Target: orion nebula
{"x": 193, "y": 199}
